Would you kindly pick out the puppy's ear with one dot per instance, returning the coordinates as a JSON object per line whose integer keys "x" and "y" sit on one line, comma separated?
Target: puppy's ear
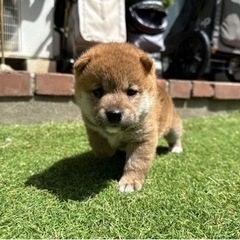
{"x": 81, "y": 63}
{"x": 147, "y": 63}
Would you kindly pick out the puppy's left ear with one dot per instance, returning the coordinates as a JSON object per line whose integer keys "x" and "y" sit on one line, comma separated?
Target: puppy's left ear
{"x": 147, "y": 63}
{"x": 81, "y": 63}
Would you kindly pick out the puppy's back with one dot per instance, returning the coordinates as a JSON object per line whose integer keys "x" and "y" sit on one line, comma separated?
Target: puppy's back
{"x": 166, "y": 114}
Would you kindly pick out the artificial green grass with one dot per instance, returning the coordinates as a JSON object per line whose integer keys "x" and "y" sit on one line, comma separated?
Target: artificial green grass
{"x": 51, "y": 185}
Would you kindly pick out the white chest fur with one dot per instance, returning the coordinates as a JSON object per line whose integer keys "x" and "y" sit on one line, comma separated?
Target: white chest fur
{"x": 115, "y": 140}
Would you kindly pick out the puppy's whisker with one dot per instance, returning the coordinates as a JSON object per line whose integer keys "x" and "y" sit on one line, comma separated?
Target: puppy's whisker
{"x": 97, "y": 122}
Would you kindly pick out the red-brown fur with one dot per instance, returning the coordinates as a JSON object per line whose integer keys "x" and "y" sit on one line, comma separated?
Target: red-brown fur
{"x": 116, "y": 69}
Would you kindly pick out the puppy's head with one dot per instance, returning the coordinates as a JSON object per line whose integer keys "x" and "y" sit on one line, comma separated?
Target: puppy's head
{"x": 114, "y": 86}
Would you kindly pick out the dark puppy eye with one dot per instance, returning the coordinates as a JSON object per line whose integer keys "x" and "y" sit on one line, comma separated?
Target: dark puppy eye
{"x": 98, "y": 93}
{"x": 131, "y": 92}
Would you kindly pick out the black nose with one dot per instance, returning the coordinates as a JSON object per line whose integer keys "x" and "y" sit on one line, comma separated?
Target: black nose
{"x": 114, "y": 116}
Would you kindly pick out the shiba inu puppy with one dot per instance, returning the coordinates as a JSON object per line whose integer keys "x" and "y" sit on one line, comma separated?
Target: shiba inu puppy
{"x": 124, "y": 108}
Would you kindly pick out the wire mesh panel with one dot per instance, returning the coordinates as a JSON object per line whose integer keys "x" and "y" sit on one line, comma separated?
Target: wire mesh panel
{"x": 11, "y": 25}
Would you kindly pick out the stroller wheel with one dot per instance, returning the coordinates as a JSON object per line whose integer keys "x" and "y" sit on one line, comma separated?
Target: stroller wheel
{"x": 192, "y": 56}
{"x": 233, "y": 70}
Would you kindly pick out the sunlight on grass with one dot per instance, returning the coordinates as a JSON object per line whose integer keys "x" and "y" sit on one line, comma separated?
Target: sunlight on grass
{"x": 52, "y": 186}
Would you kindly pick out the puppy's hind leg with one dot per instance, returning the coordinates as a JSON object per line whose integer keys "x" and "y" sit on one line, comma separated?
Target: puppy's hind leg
{"x": 173, "y": 138}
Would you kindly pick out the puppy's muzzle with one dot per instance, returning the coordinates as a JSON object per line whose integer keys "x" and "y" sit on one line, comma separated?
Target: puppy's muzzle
{"x": 114, "y": 116}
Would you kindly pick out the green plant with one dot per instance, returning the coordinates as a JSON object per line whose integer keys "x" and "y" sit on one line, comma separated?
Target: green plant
{"x": 52, "y": 186}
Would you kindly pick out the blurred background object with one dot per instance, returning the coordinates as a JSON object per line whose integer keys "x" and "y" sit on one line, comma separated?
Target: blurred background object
{"x": 30, "y": 42}
{"x": 204, "y": 40}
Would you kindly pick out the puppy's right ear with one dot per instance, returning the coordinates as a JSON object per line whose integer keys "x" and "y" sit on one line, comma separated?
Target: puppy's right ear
{"x": 81, "y": 63}
{"x": 147, "y": 63}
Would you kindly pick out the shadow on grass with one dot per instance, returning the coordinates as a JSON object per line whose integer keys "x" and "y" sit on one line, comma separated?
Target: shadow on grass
{"x": 162, "y": 150}
{"x": 79, "y": 177}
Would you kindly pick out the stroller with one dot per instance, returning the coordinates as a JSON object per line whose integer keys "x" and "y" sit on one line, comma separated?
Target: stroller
{"x": 82, "y": 24}
{"x": 204, "y": 39}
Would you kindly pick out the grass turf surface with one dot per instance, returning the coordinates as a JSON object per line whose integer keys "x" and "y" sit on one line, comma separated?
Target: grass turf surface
{"x": 51, "y": 185}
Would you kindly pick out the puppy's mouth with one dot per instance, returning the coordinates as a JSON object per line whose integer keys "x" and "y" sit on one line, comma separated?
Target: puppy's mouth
{"x": 113, "y": 130}
{"x": 117, "y": 128}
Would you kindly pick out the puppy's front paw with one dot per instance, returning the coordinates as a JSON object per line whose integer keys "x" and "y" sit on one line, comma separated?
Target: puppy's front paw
{"x": 176, "y": 149}
{"x": 130, "y": 184}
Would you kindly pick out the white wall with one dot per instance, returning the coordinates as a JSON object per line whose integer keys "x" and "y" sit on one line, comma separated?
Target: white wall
{"x": 36, "y": 33}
